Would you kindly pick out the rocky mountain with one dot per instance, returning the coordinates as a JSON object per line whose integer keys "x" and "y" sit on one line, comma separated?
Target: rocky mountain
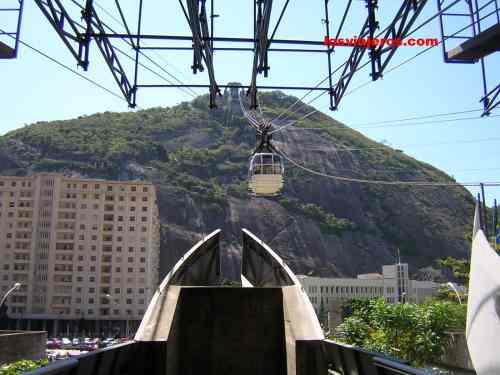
{"x": 198, "y": 160}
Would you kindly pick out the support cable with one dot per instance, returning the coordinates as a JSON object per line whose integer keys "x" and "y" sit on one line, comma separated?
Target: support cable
{"x": 384, "y": 182}
{"x": 62, "y": 65}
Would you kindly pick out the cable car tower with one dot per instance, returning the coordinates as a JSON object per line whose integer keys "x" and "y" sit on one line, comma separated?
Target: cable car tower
{"x": 474, "y": 42}
{"x": 11, "y": 12}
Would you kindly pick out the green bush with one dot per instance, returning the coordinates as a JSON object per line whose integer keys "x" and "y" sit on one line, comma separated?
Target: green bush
{"x": 413, "y": 332}
{"x": 22, "y": 366}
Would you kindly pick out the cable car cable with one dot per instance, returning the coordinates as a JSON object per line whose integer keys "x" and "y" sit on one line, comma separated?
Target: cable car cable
{"x": 384, "y": 182}
{"x": 109, "y": 91}
{"x": 418, "y": 117}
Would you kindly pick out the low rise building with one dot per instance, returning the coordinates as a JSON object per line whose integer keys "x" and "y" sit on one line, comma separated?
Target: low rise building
{"x": 86, "y": 251}
{"x": 394, "y": 285}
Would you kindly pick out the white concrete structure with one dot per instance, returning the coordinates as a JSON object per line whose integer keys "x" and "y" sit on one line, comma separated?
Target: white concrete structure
{"x": 483, "y": 304}
{"x": 81, "y": 248}
{"x": 393, "y": 284}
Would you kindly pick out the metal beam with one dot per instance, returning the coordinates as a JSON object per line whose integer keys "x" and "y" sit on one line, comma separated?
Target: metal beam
{"x": 215, "y": 39}
{"x": 237, "y": 49}
{"x": 202, "y": 86}
{"x": 9, "y": 50}
{"x": 77, "y": 38}
{"x": 70, "y": 32}
{"x": 491, "y": 100}
{"x": 196, "y": 16}
{"x": 397, "y": 30}
{"x": 352, "y": 63}
{"x": 261, "y": 42}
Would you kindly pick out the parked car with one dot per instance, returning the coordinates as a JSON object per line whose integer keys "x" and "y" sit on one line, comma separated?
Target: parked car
{"x": 76, "y": 341}
{"x": 53, "y": 344}
{"x": 106, "y": 342}
{"x": 66, "y": 343}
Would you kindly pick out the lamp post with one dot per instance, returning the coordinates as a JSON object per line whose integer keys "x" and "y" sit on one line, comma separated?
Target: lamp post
{"x": 15, "y": 287}
{"x": 453, "y": 287}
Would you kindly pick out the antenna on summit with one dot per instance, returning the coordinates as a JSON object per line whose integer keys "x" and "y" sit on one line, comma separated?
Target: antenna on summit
{"x": 399, "y": 256}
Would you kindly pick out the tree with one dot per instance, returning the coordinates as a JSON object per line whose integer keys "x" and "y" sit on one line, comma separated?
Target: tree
{"x": 416, "y": 333}
{"x": 459, "y": 267}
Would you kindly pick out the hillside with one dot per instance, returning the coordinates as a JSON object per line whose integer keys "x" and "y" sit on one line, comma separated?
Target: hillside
{"x": 198, "y": 161}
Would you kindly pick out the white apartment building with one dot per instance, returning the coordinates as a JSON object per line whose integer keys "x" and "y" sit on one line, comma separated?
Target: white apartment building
{"x": 393, "y": 285}
{"x": 86, "y": 251}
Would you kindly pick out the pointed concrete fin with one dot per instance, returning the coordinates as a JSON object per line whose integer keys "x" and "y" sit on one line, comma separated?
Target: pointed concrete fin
{"x": 200, "y": 266}
{"x": 261, "y": 266}
{"x": 483, "y": 307}
{"x": 245, "y": 283}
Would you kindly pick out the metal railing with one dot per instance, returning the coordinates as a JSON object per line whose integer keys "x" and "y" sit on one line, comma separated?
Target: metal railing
{"x": 124, "y": 359}
{"x": 150, "y": 358}
{"x": 346, "y": 360}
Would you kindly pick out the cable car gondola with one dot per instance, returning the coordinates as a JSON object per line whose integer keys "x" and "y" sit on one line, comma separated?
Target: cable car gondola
{"x": 266, "y": 171}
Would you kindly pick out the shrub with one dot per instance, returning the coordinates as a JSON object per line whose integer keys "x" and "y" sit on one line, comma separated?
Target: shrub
{"x": 413, "y": 332}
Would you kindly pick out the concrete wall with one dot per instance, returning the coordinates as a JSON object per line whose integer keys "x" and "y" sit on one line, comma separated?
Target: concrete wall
{"x": 16, "y": 345}
{"x": 456, "y": 353}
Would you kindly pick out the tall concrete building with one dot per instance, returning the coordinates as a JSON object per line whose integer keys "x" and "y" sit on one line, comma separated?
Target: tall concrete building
{"x": 85, "y": 251}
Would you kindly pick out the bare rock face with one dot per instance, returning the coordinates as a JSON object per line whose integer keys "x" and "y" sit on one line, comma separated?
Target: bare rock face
{"x": 198, "y": 160}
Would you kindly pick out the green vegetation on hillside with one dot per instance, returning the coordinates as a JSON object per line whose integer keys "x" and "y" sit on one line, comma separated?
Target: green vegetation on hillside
{"x": 329, "y": 223}
{"x": 198, "y": 161}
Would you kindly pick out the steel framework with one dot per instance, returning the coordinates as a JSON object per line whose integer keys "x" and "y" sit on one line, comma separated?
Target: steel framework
{"x": 9, "y": 46}
{"x": 477, "y": 40}
{"x": 78, "y": 35}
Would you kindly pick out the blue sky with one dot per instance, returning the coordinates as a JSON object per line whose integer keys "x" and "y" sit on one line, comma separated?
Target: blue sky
{"x": 35, "y": 89}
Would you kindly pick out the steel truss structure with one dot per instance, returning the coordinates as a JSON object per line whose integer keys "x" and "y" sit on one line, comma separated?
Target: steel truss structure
{"x": 77, "y": 36}
{"x": 478, "y": 41}
{"x": 9, "y": 46}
